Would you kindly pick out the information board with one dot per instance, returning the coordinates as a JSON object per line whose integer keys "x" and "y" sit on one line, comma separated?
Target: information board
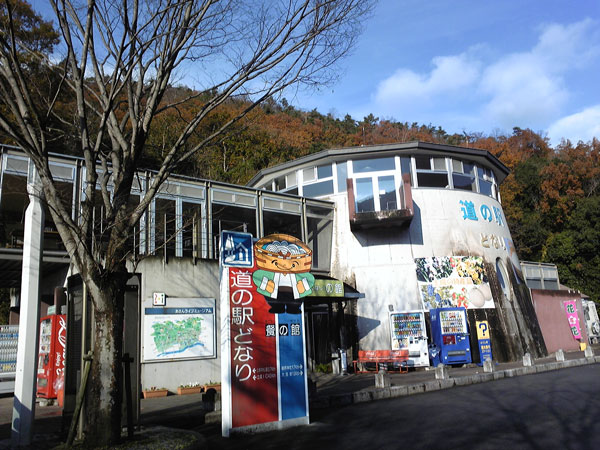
{"x": 180, "y": 332}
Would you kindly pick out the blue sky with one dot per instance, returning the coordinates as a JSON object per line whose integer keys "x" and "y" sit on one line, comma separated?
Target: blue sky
{"x": 475, "y": 66}
{"x": 471, "y": 66}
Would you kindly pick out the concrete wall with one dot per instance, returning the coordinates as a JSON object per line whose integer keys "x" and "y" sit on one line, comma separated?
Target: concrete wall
{"x": 553, "y": 319}
{"x": 180, "y": 278}
{"x": 381, "y": 264}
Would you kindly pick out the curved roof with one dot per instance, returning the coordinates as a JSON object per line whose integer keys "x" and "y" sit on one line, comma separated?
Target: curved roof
{"x": 482, "y": 157}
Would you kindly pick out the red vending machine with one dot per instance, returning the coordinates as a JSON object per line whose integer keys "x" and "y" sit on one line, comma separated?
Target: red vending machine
{"x": 51, "y": 362}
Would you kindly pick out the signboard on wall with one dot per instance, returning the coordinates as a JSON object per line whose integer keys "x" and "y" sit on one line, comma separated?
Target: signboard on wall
{"x": 453, "y": 281}
{"x": 573, "y": 318}
{"x": 263, "y": 362}
{"x": 182, "y": 331}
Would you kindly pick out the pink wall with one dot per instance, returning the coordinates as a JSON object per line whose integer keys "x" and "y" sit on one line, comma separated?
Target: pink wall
{"x": 551, "y": 315}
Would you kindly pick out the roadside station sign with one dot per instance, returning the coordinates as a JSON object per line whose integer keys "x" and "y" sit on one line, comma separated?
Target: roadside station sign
{"x": 263, "y": 358}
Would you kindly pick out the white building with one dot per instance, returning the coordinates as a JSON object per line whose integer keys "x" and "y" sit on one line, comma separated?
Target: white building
{"x": 403, "y": 208}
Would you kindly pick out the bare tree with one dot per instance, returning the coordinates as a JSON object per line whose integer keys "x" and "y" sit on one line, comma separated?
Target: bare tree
{"x": 119, "y": 59}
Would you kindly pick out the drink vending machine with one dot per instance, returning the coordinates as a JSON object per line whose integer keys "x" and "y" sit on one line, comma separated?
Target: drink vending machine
{"x": 409, "y": 333}
{"x": 52, "y": 352}
{"x": 450, "y": 336}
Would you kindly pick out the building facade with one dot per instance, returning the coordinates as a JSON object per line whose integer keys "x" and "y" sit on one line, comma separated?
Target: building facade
{"x": 419, "y": 226}
{"x": 407, "y": 227}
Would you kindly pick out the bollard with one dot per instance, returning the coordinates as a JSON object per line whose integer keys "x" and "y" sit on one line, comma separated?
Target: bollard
{"x": 382, "y": 379}
{"x": 527, "y": 360}
{"x": 488, "y": 365}
{"x": 441, "y": 372}
{"x": 588, "y": 352}
{"x": 560, "y": 355}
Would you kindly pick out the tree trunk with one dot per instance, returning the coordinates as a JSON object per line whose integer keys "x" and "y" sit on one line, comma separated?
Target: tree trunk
{"x": 105, "y": 385}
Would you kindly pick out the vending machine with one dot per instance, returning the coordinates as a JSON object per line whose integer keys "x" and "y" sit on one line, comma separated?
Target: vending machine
{"x": 409, "y": 333}
{"x": 450, "y": 336}
{"x": 52, "y": 352}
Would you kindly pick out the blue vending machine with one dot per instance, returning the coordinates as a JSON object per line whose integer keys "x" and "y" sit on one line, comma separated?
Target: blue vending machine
{"x": 450, "y": 336}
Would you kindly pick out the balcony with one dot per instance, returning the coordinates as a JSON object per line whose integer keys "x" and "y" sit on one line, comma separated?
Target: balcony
{"x": 386, "y": 216}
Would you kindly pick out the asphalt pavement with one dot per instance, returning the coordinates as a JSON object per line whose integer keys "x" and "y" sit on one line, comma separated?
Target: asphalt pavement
{"x": 194, "y": 412}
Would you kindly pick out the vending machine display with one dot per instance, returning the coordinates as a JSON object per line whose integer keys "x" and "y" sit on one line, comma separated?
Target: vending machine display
{"x": 51, "y": 362}
{"x": 409, "y": 333}
{"x": 450, "y": 336}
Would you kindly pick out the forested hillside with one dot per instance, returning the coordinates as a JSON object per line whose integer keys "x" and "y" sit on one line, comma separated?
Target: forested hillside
{"x": 551, "y": 198}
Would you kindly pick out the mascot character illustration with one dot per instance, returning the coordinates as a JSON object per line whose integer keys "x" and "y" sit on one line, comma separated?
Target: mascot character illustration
{"x": 282, "y": 276}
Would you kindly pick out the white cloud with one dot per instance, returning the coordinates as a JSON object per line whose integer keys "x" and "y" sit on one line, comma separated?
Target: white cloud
{"x": 525, "y": 89}
{"x": 450, "y": 73}
{"x": 520, "y": 91}
{"x": 581, "y": 126}
{"x": 528, "y": 88}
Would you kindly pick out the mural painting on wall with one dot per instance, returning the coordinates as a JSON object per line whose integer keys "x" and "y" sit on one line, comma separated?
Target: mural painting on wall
{"x": 264, "y": 360}
{"x": 453, "y": 281}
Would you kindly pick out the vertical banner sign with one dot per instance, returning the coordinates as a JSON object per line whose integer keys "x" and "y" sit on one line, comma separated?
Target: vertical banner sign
{"x": 59, "y": 358}
{"x": 573, "y": 318}
{"x": 253, "y": 354}
{"x": 483, "y": 338}
{"x": 263, "y": 350}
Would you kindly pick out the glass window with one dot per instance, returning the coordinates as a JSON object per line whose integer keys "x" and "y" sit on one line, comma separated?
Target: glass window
{"x": 457, "y": 166}
{"x": 324, "y": 171}
{"x": 342, "y": 175}
{"x": 463, "y": 176}
{"x": 290, "y": 180}
{"x": 431, "y": 172}
{"x": 275, "y": 222}
{"x": 439, "y": 163}
{"x": 280, "y": 183}
{"x": 17, "y": 165}
{"x": 233, "y": 218}
{"x": 373, "y": 165}
{"x": 318, "y": 236}
{"x": 464, "y": 182}
{"x": 364, "y": 195}
{"x": 387, "y": 193}
{"x": 165, "y": 227}
{"x": 13, "y": 204}
{"x": 430, "y": 179}
{"x": 308, "y": 174}
{"x": 191, "y": 214}
{"x": 423, "y": 162}
{"x": 318, "y": 189}
{"x": 486, "y": 178}
{"x": 406, "y": 167}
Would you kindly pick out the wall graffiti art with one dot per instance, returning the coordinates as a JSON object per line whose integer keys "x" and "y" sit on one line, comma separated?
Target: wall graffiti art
{"x": 453, "y": 281}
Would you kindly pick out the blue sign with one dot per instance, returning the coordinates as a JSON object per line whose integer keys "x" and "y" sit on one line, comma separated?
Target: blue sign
{"x": 485, "y": 350}
{"x": 291, "y": 367}
{"x": 236, "y": 249}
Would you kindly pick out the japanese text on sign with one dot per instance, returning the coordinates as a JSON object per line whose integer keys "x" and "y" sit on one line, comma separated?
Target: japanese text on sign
{"x": 241, "y": 316}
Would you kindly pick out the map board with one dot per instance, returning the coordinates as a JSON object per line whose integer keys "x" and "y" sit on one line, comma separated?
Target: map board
{"x": 183, "y": 330}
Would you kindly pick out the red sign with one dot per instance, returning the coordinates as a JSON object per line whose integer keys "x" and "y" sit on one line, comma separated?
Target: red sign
{"x": 254, "y": 397}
